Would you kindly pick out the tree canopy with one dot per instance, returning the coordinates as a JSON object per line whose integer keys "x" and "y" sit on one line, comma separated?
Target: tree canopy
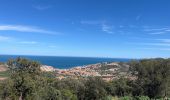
{"x": 27, "y": 82}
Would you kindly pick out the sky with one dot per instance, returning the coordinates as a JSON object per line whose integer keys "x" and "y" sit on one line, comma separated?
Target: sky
{"x": 87, "y": 28}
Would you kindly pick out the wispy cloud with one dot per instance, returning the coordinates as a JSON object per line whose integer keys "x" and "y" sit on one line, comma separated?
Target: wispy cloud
{"x": 156, "y": 44}
{"x": 4, "y": 38}
{"x": 91, "y": 22}
{"x": 157, "y": 31}
{"x": 22, "y": 28}
{"x": 164, "y": 49}
{"x": 41, "y": 7}
{"x": 52, "y": 46}
{"x": 168, "y": 30}
{"x": 107, "y": 29}
{"x": 164, "y": 40}
{"x": 138, "y": 17}
{"x": 150, "y": 44}
{"x": 100, "y": 23}
{"x": 28, "y": 42}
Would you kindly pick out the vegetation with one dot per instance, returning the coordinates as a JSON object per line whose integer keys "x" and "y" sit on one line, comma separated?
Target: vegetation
{"x": 4, "y": 74}
{"x": 27, "y": 82}
{"x": 153, "y": 77}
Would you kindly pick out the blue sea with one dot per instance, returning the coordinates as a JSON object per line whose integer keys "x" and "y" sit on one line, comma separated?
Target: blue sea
{"x": 64, "y": 62}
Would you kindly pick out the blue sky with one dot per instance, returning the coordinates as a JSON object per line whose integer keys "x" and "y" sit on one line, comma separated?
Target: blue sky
{"x": 91, "y": 28}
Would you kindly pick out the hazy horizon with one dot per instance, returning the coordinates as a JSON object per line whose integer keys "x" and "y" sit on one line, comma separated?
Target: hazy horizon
{"x": 18, "y": 55}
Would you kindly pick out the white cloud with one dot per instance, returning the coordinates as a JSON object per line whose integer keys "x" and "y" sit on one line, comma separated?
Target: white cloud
{"x": 132, "y": 26}
{"x": 99, "y": 23}
{"x": 153, "y": 44}
{"x": 168, "y": 30}
{"x": 41, "y": 7}
{"x": 159, "y": 44}
{"x": 164, "y": 49}
{"x": 4, "y": 38}
{"x": 157, "y": 33}
{"x": 28, "y": 42}
{"x": 107, "y": 29}
{"x": 52, "y": 46}
{"x": 164, "y": 40}
{"x": 121, "y": 26}
{"x": 91, "y": 22}
{"x": 156, "y": 29}
{"x": 21, "y": 28}
{"x": 138, "y": 17}
{"x": 167, "y": 49}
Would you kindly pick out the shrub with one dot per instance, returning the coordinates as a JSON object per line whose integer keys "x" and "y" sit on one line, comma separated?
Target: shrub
{"x": 141, "y": 98}
{"x": 126, "y": 98}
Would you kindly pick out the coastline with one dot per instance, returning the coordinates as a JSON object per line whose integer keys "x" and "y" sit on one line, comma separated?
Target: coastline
{"x": 63, "y": 62}
{"x": 107, "y": 71}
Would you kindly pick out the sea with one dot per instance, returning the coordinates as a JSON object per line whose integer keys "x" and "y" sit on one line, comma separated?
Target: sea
{"x": 63, "y": 62}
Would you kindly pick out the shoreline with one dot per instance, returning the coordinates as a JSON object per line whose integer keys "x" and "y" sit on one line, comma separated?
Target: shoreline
{"x": 107, "y": 71}
{"x": 52, "y": 68}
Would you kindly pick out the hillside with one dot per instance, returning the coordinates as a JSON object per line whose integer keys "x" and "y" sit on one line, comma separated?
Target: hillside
{"x": 107, "y": 71}
{"x": 3, "y": 68}
{"x": 3, "y": 72}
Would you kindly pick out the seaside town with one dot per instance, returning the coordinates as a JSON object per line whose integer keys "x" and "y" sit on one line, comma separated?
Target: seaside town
{"x": 108, "y": 71}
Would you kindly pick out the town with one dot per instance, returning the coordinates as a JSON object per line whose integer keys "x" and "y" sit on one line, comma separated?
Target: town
{"x": 107, "y": 71}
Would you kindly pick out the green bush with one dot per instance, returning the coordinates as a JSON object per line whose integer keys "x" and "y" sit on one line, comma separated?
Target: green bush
{"x": 134, "y": 98}
{"x": 141, "y": 98}
{"x": 108, "y": 98}
{"x": 126, "y": 98}
{"x": 4, "y": 74}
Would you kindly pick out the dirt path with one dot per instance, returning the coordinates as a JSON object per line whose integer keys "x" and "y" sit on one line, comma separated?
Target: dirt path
{"x": 2, "y": 78}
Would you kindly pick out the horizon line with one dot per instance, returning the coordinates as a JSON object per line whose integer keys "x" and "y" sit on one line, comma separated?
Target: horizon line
{"x": 70, "y": 56}
{"x": 132, "y": 58}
